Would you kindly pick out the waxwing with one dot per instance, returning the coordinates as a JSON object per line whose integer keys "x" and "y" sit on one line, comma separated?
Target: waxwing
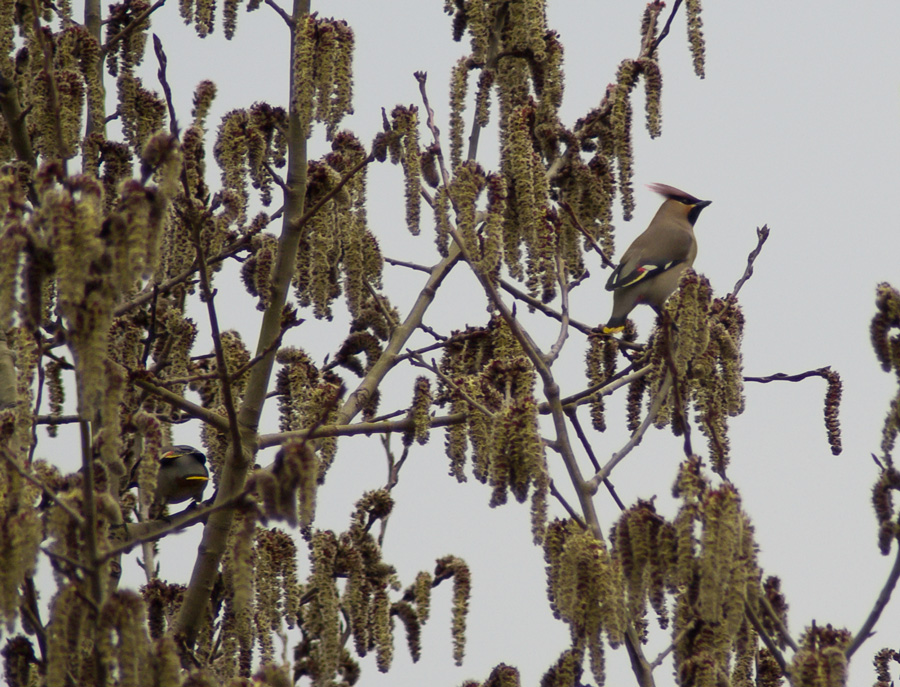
{"x": 182, "y": 476}
{"x": 651, "y": 267}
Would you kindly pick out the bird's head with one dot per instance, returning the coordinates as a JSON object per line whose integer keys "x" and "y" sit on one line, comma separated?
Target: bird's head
{"x": 680, "y": 202}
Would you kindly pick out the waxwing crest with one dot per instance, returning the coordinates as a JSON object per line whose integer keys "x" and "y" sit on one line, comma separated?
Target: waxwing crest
{"x": 673, "y": 193}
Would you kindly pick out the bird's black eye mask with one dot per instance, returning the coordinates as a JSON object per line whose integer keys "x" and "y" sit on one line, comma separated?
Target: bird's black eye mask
{"x": 696, "y": 208}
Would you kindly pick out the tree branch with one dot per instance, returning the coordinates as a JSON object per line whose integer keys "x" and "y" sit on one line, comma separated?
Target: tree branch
{"x": 880, "y": 604}
{"x": 346, "y": 430}
{"x": 211, "y": 418}
{"x": 594, "y": 483}
{"x": 541, "y": 307}
{"x": 578, "y": 225}
{"x": 761, "y": 234}
{"x": 238, "y": 458}
{"x": 281, "y": 13}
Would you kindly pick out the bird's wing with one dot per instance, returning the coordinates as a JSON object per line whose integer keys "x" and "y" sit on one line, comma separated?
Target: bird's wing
{"x": 646, "y": 258}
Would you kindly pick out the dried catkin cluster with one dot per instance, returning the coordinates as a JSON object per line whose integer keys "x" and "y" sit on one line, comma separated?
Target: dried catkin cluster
{"x": 709, "y": 577}
{"x": 488, "y": 378}
{"x": 820, "y": 660}
{"x": 885, "y": 332}
{"x": 585, "y": 588}
{"x": 600, "y": 364}
{"x": 712, "y": 578}
{"x": 337, "y": 249}
{"x": 696, "y": 356}
{"x": 364, "y": 605}
{"x": 322, "y": 69}
{"x": 419, "y": 413}
{"x": 307, "y": 398}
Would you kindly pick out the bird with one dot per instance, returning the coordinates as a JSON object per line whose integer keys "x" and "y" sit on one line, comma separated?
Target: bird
{"x": 182, "y": 476}
{"x": 651, "y": 267}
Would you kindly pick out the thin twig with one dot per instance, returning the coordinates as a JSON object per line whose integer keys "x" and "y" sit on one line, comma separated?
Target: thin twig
{"x": 680, "y": 406}
{"x": 29, "y": 608}
{"x": 605, "y": 388}
{"x": 56, "y": 556}
{"x": 208, "y": 296}
{"x": 382, "y": 308}
{"x": 288, "y": 325}
{"x": 49, "y": 493}
{"x": 284, "y": 15}
{"x": 167, "y": 90}
{"x": 665, "y": 31}
{"x": 635, "y": 439}
{"x": 348, "y": 175}
{"x": 16, "y": 126}
{"x": 421, "y": 78}
{"x": 409, "y": 265}
{"x": 761, "y": 234}
{"x": 208, "y": 416}
{"x": 782, "y": 377}
{"x": 657, "y": 662}
{"x": 556, "y": 348}
{"x": 572, "y": 414}
{"x": 565, "y": 504}
{"x": 773, "y": 616}
{"x": 764, "y": 636}
{"x": 417, "y": 360}
{"x": 880, "y": 604}
{"x": 279, "y": 182}
{"x": 540, "y": 307}
{"x": 269, "y": 440}
{"x": 132, "y": 26}
{"x": 490, "y": 62}
{"x": 578, "y": 225}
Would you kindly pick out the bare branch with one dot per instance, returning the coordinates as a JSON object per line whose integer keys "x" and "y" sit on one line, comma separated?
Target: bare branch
{"x": 665, "y": 31}
{"x": 572, "y": 414}
{"x": 762, "y": 234}
{"x": 556, "y": 348}
{"x": 281, "y": 13}
{"x": 565, "y": 504}
{"x": 410, "y": 265}
{"x": 596, "y": 246}
{"x": 540, "y": 307}
{"x": 209, "y": 417}
{"x": 635, "y": 439}
{"x": 764, "y": 636}
{"x": 421, "y": 77}
{"x": 880, "y": 604}
{"x": 346, "y": 430}
{"x": 782, "y": 377}
{"x": 417, "y": 360}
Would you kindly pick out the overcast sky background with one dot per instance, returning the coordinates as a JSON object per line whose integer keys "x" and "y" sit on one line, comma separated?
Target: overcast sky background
{"x": 795, "y": 126}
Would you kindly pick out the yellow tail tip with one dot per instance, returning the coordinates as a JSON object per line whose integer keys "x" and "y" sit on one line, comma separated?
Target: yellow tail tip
{"x": 613, "y": 330}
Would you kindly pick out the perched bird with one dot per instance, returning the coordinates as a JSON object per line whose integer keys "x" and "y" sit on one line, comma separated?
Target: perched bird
{"x": 651, "y": 267}
{"x": 182, "y": 476}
